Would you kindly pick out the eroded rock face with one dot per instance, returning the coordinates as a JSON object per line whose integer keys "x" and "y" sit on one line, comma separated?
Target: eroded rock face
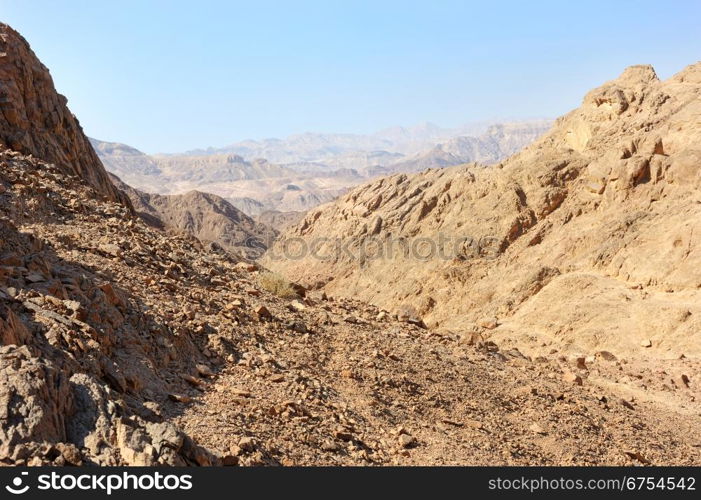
{"x": 34, "y": 118}
{"x": 80, "y": 361}
{"x": 585, "y": 239}
{"x": 35, "y": 399}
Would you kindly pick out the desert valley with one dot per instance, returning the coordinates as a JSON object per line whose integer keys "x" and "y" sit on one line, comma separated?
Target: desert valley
{"x": 502, "y": 293}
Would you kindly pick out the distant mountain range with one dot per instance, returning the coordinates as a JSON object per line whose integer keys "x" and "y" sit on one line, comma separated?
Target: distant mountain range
{"x": 315, "y": 146}
{"x": 306, "y": 170}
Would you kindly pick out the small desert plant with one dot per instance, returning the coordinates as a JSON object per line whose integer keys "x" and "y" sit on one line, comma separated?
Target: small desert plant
{"x": 277, "y": 285}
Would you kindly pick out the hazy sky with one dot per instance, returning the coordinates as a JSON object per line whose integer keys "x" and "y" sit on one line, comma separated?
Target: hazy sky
{"x": 167, "y": 76}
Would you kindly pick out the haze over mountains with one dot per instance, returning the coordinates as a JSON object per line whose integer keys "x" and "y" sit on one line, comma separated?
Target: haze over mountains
{"x": 307, "y": 170}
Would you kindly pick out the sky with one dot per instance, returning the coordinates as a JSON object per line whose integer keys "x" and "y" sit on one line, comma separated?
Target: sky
{"x": 170, "y": 76}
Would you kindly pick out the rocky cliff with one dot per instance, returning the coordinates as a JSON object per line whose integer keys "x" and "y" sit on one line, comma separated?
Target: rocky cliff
{"x": 34, "y": 118}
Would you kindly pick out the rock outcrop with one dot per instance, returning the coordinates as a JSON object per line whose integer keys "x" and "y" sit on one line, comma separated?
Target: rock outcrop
{"x": 34, "y": 118}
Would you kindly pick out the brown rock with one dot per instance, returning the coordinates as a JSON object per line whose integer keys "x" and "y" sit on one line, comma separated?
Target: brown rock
{"x": 606, "y": 356}
{"x": 296, "y": 306}
{"x": 204, "y": 370}
{"x": 247, "y": 444}
{"x": 262, "y": 312}
{"x": 180, "y": 398}
{"x": 537, "y": 429}
{"x": 406, "y": 441}
{"x": 489, "y": 323}
{"x": 572, "y": 378}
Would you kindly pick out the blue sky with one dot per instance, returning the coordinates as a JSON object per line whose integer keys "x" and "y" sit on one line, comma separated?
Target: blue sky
{"x": 167, "y": 76}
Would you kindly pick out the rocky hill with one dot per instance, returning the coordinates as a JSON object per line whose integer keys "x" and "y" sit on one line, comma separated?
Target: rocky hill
{"x": 587, "y": 240}
{"x": 207, "y": 217}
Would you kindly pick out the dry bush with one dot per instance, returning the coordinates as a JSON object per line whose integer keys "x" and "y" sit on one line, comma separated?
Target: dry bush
{"x": 276, "y": 284}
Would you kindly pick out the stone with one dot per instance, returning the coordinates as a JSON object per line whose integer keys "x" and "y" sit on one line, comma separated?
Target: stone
{"x": 489, "y": 323}
{"x": 572, "y": 378}
{"x": 70, "y": 453}
{"x": 471, "y": 338}
{"x": 408, "y": 314}
{"x": 329, "y": 446}
{"x": 296, "y": 306}
{"x": 35, "y": 277}
{"x": 343, "y": 435}
{"x": 113, "y": 375}
{"x": 606, "y": 356}
{"x": 247, "y": 444}
{"x": 682, "y": 380}
{"x": 246, "y": 266}
{"x": 72, "y": 305}
{"x": 406, "y": 441}
{"x": 627, "y": 404}
{"x": 180, "y": 398}
{"x": 233, "y": 305}
{"x": 635, "y": 455}
{"x": 537, "y": 429}
{"x": 297, "y": 326}
{"x": 262, "y": 313}
{"x": 646, "y": 343}
{"x": 474, "y": 424}
{"x": 192, "y": 380}
{"x": 204, "y": 370}
{"x": 580, "y": 362}
{"x": 111, "y": 249}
